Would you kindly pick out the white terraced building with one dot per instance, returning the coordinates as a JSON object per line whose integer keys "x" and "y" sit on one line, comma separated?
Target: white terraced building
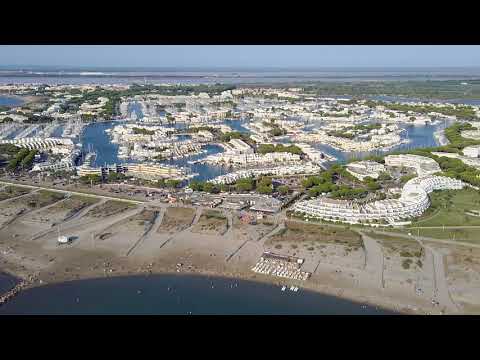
{"x": 413, "y": 202}
{"x": 472, "y": 151}
{"x": 231, "y": 178}
{"x": 33, "y": 143}
{"x": 251, "y": 159}
{"x": 362, "y": 169}
{"x": 422, "y": 165}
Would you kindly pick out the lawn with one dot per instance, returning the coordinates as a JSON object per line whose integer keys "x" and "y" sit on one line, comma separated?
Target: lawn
{"x": 300, "y": 232}
{"x": 12, "y": 191}
{"x": 177, "y": 219}
{"x": 468, "y": 235}
{"x": 449, "y": 208}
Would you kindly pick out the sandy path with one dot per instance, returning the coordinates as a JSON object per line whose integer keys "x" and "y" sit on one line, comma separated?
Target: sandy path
{"x": 86, "y": 209}
{"x": 440, "y": 292}
{"x": 153, "y": 226}
{"x": 96, "y": 225}
{"x": 198, "y": 213}
{"x": 426, "y": 278}
{"x": 18, "y": 197}
{"x": 78, "y": 215}
{"x": 423, "y": 238}
{"x": 276, "y": 229}
{"x": 374, "y": 261}
{"x": 28, "y": 213}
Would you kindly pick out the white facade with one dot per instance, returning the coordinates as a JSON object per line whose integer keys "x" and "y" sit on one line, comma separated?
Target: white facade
{"x": 412, "y": 202}
{"x": 422, "y": 165}
{"x": 472, "y": 151}
{"x": 362, "y": 169}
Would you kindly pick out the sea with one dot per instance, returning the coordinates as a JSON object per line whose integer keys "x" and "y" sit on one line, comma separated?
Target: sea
{"x": 59, "y": 75}
{"x": 178, "y": 295}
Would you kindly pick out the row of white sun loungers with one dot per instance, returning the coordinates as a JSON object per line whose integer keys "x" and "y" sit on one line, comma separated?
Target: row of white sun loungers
{"x": 279, "y": 270}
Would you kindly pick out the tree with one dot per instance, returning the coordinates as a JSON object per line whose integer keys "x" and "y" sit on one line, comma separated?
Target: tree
{"x": 114, "y": 176}
{"x": 265, "y": 181}
{"x": 91, "y": 179}
{"x": 245, "y": 184}
{"x": 264, "y": 189}
{"x": 196, "y": 185}
{"x": 283, "y": 189}
{"x": 172, "y": 183}
{"x": 372, "y": 186}
{"x": 208, "y": 187}
{"x": 384, "y": 176}
{"x": 27, "y": 161}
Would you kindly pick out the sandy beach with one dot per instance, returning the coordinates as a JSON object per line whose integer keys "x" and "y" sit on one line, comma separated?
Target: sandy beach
{"x": 112, "y": 238}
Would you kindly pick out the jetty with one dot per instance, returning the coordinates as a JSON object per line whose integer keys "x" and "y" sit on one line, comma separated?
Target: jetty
{"x": 13, "y": 292}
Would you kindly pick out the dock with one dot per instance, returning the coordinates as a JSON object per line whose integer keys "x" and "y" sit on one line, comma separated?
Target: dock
{"x": 13, "y": 292}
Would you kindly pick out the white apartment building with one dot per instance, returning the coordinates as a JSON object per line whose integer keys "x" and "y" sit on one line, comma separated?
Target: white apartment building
{"x": 472, "y": 151}
{"x": 231, "y": 178}
{"x": 362, "y": 169}
{"x": 422, "y": 165}
{"x": 33, "y": 143}
{"x": 237, "y": 147}
{"x": 412, "y": 202}
{"x": 252, "y": 159}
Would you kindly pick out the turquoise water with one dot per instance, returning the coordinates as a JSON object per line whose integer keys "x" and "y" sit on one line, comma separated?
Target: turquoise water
{"x": 178, "y": 294}
{"x": 10, "y": 101}
{"x": 107, "y": 153}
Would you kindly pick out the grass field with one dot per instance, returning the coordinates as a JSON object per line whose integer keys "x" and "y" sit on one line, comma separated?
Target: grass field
{"x": 409, "y": 251}
{"x": 177, "y": 219}
{"x": 211, "y": 222}
{"x": 13, "y": 191}
{"x": 299, "y": 232}
{"x": 468, "y": 235}
{"x": 449, "y": 208}
{"x": 43, "y": 198}
{"x": 109, "y": 208}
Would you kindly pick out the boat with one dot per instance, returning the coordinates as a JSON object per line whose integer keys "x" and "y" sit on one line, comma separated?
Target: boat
{"x": 283, "y": 288}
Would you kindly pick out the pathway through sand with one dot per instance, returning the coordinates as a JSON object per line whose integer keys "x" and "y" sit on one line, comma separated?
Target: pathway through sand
{"x": 18, "y": 197}
{"x": 150, "y": 230}
{"x": 442, "y": 294}
{"x": 374, "y": 264}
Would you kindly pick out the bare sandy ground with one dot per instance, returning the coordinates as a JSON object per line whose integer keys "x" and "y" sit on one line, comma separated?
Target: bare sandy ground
{"x": 462, "y": 271}
{"x": 112, "y": 239}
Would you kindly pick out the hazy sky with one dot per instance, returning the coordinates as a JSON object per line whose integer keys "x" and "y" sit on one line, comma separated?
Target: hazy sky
{"x": 241, "y": 56}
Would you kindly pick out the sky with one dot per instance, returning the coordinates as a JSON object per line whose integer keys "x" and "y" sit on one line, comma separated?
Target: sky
{"x": 240, "y": 55}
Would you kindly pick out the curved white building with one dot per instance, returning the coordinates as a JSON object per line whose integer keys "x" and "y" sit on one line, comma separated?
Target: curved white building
{"x": 422, "y": 165}
{"x": 412, "y": 202}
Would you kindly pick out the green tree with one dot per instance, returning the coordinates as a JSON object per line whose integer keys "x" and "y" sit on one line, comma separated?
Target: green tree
{"x": 208, "y": 187}
{"x": 283, "y": 189}
{"x": 264, "y": 189}
{"x": 245, "y": 184}
{"x": 196, "y": 185}
{"x": 172, "y": 183}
